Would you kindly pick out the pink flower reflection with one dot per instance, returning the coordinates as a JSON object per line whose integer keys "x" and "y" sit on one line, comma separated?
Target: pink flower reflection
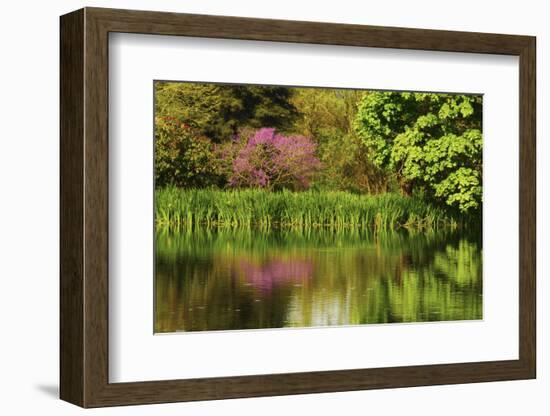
{"x": 267, "y": 275}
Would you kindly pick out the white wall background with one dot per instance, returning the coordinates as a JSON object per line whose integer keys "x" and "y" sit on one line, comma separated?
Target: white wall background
{"x": 29, "y": 207}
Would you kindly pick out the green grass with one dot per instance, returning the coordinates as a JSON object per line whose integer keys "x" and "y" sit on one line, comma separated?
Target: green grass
{"x": 248, "y": 208}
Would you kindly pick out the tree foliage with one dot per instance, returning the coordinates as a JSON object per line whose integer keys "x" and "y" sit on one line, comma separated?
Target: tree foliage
{"x": 325, "y": 111}
{"x": 431, "y": 142}
{"x": 347, "y": 166}
{"x": 218, "y": 111}
{"x": 327, "y": 115}
{"x": 183, "y": 158}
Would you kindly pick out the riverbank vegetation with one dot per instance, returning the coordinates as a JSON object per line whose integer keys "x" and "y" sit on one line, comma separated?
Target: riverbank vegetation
{"x": 238, "y": 156}
{"x": 248, "y": 208}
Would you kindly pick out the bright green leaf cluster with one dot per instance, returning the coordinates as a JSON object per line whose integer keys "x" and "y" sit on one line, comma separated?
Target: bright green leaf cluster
{"x": 431, "y": 142}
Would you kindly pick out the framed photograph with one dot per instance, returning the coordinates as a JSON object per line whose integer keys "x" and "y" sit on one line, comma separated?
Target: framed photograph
{"x": 255, "y": 207}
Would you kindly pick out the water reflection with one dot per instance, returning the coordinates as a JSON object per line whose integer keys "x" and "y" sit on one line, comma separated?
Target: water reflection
{"x": 219, "y": 280}
{"x": 265, "y": 276}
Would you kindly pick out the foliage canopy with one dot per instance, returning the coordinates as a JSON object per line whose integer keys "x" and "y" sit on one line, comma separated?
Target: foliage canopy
{"x": 431, "y": 142}
{"x": 183, "y": 158}
{"x": 218, "y": 111}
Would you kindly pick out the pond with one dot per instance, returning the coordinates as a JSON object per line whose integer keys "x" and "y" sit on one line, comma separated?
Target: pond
{"x": 209, "y": 280}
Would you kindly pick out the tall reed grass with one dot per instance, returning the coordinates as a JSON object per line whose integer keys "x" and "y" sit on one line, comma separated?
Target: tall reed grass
{"x": 248, "y": 208}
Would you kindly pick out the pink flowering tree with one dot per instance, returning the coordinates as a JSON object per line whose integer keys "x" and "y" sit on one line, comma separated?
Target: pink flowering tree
{"x": 273, "y": 161}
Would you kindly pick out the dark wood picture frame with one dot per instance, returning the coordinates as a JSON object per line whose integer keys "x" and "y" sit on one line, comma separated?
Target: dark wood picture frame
{"x": 84, "y": 207}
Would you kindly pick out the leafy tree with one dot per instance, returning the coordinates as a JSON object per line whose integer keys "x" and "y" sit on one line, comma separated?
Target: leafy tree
{"x": 218, "y": 111}
{"x": 182, "y": 157}
{"x": 325, "y": 112}
{"x": 273, "y": 161}
{"x": 347, "y": 166}
{"x": 430, "y": 142}
{"x": 327, "y": 116}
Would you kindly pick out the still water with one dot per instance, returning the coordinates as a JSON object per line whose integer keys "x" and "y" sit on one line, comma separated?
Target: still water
{"x": 221, "y": 280}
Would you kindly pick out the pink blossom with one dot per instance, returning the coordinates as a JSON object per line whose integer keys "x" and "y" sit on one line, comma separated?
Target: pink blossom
{"x": 271, "y": 160}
